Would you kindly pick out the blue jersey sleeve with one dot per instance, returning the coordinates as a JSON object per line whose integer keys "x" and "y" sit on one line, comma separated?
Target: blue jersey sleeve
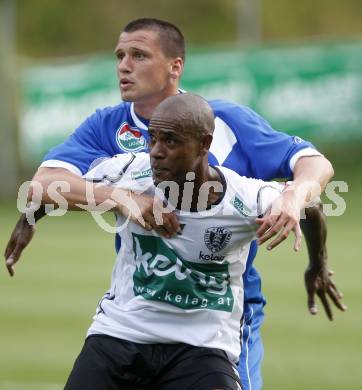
{"x": 265, "y": 152}
{"x": 82, "y": 147}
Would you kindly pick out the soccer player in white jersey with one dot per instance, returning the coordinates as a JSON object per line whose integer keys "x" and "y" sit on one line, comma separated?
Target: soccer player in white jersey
{"x": 150, "y": 58}
{"x": 171, "y": 319}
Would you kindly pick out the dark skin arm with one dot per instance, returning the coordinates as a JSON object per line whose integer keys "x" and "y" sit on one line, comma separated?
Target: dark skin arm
{"x": 317, "y": 276}
{"x": 20, "y": 238}
{"x": 139, "y": 207}
{"x": 23, "y": 231}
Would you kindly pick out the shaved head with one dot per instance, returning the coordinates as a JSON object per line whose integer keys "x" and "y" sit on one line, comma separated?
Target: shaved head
{"x": 180, "y": 136}
{"x": 187, "y": 113}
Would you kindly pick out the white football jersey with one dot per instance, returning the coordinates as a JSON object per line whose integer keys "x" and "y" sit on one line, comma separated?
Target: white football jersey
{"x": 189, "y": 288}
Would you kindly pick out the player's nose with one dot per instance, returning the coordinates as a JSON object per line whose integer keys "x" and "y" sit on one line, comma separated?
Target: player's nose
{"x": 157, "y": 150}
{"x": 125, "y": 64}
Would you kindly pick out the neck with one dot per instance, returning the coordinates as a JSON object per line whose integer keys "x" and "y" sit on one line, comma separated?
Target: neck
{"x": 202, "y": 192}
{"x": 147, "y": 105}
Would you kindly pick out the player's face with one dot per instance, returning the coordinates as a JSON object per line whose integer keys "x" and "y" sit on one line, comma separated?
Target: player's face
{"x": 173, "y": 154}
{"x": 145, "y": 74}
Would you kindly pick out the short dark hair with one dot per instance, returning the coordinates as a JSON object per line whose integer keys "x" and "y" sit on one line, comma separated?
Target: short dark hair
{"x": 171, "y": 39}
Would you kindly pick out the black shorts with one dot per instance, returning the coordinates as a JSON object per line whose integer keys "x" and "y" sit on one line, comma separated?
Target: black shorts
{"x": 108, "y": 363}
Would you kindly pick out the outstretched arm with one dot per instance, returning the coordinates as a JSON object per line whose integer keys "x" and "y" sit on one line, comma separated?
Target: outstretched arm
{"x": 55, "y": 185}
{"x": 317, "y": 275}
{"x": 311, "y": 175}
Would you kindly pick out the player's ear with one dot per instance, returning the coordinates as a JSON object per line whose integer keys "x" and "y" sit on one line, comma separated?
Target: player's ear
{"x": 176, "y": 67}
{"x": 205, "y": 143}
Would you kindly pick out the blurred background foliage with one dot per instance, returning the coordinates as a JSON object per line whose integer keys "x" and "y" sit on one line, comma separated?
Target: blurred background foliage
{"x": 64, "y": 27}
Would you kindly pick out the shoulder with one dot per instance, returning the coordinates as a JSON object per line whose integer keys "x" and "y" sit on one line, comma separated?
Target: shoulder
{"x": 227, "y": 110}
{"x": 238, "y": 183}
{"x": 238, "y": 118}
{"x": 117, "y": 111}
{"x": 248, "y": 194}
{"x": 103, "y": 121}
{"x": 130, "y": 161}
{"x": 125, "y": 164}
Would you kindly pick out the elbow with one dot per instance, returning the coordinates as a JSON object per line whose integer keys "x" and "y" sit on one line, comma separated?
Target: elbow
{"x": 329, "y": 171}
{"x": 36, "y": 188}
{"x": 39, "y": 185}
{"x": 326, "y": 173}
{"x": 30, "y": 195}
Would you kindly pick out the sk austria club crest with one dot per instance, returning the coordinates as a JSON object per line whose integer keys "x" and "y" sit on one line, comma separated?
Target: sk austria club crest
{"x": 130, "y": 139}
{"x": 216, "y": 238}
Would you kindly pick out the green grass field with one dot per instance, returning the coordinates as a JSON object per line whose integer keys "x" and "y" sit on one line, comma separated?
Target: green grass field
{"x": 47, "y": 307}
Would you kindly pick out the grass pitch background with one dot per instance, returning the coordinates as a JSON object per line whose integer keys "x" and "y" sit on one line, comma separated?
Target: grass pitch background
{"x": 47, "y": 307}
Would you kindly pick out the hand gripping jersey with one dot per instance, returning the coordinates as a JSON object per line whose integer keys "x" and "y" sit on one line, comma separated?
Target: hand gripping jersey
{"x": 187, "y": 289}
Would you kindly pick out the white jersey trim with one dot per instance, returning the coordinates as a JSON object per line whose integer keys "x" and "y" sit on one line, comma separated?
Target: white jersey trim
{"x": 61, "y": 164}
{"x": 136, "y": 120}
{"x": 223, "y": 141}
{"x": 303, "y": 153}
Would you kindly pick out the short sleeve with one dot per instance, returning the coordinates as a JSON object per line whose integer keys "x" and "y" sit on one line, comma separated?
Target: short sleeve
{"x": 81, "y": 148}
{"x": 128, "y": 171}
{"x": 264, "y": 152}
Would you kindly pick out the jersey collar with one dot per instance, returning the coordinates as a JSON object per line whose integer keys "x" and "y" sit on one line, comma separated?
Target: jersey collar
{"x": 137, "y": 121}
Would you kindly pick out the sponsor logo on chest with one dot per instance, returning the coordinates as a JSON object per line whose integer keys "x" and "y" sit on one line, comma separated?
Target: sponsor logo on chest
{"x": 162, "y": 275}
{"x": 130, "y": 139}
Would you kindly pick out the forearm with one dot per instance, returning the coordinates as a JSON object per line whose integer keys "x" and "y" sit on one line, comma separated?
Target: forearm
{"x": 317, "y": 276}
{"x": 61, "y": 188}
{"x": 314, "y": 228}
{"x": 39, "y": 213}
{"x": 32, "y": 214}
{"x": 310, "y": 177}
